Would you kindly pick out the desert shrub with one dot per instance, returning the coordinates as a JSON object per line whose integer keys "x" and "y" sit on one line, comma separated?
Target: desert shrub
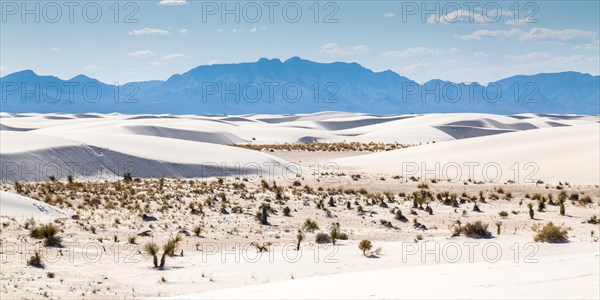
{"x": 585, "y": 200}
{"x": 322, "y": 238}
{"x": 310, "y": 225}
{"x": 286, "y": 211}
{"x": 262, "y": 214}
{"x": 197, "y": 230}
{"x": 503, "y": 214}
{"x": 131, "y": 239}
{"x": 476, "y": 230}
{"x": 364, "y": 246}
{"x": 49, "y": 233}
{"x": 151, "y": 249}
{"x": 261, "y": 248}
{"x": 36, "y": 260}
{"x": 127, "y": 177}
{"x": 299, "y": 237}
{"x": 550, "y": 233}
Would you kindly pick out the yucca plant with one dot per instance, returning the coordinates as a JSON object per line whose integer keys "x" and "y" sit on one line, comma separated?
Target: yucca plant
{"x": 299, "y": 237}
{"x": 36, "y": 260}
{"x": 168, "y": 249}
{"x": 562, "y": 206}
{"x": 49, "y": 233}
{"x": 498, "y": 226}
{"x": 335, "y": 233}
{"x": 531, "y": 212}
{"x": 152, "y": 250}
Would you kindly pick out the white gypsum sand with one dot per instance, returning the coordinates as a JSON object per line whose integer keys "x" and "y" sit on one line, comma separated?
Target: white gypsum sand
{"x": 105, "y": 222}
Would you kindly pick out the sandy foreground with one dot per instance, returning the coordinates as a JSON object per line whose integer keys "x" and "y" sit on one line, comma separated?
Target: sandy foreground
{"x": 105, "y": 222}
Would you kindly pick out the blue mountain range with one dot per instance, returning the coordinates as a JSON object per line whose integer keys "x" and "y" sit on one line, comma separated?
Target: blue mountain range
{"x": 299, "y": 86}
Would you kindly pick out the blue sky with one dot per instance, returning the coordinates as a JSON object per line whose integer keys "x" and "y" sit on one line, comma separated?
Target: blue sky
{"x": 458, "y": 41}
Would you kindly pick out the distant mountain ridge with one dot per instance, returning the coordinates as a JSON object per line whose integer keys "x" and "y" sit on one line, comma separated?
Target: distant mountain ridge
{"x": 299, "y": 86}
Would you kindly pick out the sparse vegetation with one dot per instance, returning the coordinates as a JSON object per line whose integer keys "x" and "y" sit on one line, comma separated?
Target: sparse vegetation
{"x": 364, "y": 246}
{"x": 310, "y": 225}
{"x": 550, "y": 233}
{"x": 476, "y": 230}
{"x": 49, "y": 233}
{"x": 36, "y": 260}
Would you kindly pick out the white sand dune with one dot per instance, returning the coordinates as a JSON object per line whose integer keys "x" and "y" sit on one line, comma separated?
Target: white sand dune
{"x": 482, "y": 280}
{"x": 168, "y": 145}
{"x": 17, "y": 206}
{"x": 569, "y": 154}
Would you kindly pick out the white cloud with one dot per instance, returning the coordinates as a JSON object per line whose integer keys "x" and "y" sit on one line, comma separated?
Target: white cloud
{"x": 263, "y": 27}
{"x": 482, "y": 54}
{"x": 360, "y": 48}
{"x": 412, "y": 52}
{"x": 520, "y": 22}
{"x": 220, "y": 30}
{"x": 149, "y": 31}
{"x": 141, "y": 53}
{"x": 460, "y": 16}
{"x": 175, "y": 56}
{"x": 184, "y": 31}
{"x": 411, "y": 68}
{"x": 155, "y": 63}
{"x": 335, "y": 49}
{"x": 594, "y": 45}
{"x": 389, "y": 14}
{"x": 214, "y": 61}
{"x": 493, "y": 34}
{"x": 453, "y": 50}
{"x": 528, "y": 56}
{"x": 532, "y": 34}
{"x": 253, "y": 29}
{"x": 172, "y": 2}
{"x": 3, "y": 69}
{"x": 54, "y": 49}
{"x": 563, "y": 35}
{"x": 93, "y": 68}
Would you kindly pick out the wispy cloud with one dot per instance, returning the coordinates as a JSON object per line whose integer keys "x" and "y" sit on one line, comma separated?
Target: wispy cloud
{"x": 523, "y": 21}
{"x": 335, "y": 49}
{"x": 175, "y": 56}
{"x": 491, "y": 34}
{"x": 3, "y": 69}
{"x": 54, "y": 49}
{"x": 184, "y": 31}
{"x": 93, "y": 68}
{"x": 141, "y": 53}
{"x": 594, "y": 45}
{"x": 172, "y": 2}
{"x": 460, "y": 16}
{"x": 411, "y": 68}
{"x": 482, "y": 54}
{"x": 389, "y": 15}
{"x": 532, "y": 34}
{"x": 411, "y": 52}
{"x": 529, "y": 56}
{"x": 149, "y": 31}
{"x": 563, "y": 35}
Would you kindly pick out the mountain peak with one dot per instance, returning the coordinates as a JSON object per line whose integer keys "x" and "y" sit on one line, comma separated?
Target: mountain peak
{"x": 264, "y": 60}
{"x": 82, "y": 77}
